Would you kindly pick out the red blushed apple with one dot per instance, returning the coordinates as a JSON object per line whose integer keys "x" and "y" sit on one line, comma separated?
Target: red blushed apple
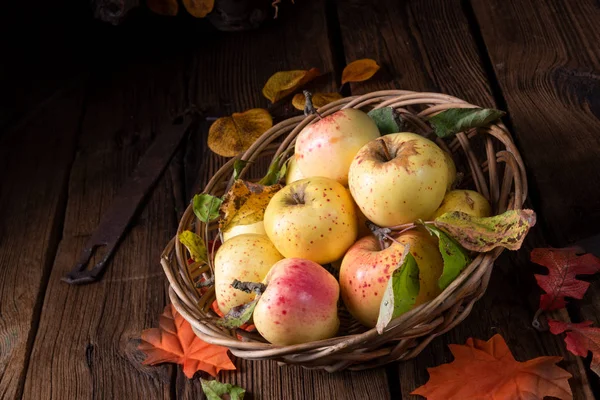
{"x": 299, "y": 304}
{"x": 366, "y": 270}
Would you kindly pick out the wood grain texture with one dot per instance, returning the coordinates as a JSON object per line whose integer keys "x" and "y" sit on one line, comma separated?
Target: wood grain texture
{"x": 427, "y": 46}
{"x": 227, "y": 76}
{"x": 88, "y": 335}
{"x": 546, "y": 57}
{"x": 34, "y": 167}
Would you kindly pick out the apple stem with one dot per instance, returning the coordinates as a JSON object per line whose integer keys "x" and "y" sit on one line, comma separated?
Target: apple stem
{"x": 386, "y": 151}
{"x": 309, "y": 108}
{"x": 249, "y": 287}
{"x": 380, "y": 233}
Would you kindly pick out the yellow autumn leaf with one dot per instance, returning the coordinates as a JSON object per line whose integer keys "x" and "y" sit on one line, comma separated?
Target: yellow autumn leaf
{"x": 359, "y": 70}
{"x": 163, "y": 7}
{"x": 199, "y": 8}
{"x": 245, "y": 203}
{"x": 318, "y": 99}
{"x": 283, "y": 83}
{"x": 229, "y": 136}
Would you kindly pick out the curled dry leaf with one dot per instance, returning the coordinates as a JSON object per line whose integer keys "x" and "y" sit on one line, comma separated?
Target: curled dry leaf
{"x": 283, "y": 83}
{"x": 318, "y": 99}
{"x": 488, "y": 370}
{"x": 199, "y": 8}
{"x": 359, "y": 70}
{"x": 163, "y": 7}
{"x": 229, "y": 136}
{"x": 174, "y": 341}
{"x": 245, "y": 203}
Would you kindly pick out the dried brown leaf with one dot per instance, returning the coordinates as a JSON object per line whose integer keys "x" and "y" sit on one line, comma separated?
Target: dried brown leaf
{"x": 199, "y": 8}
{"x": 318, "y": 99}
{"x": 228, "y": 136}
{"x": 359, "y": 70}
{"x": 283, "y": 83}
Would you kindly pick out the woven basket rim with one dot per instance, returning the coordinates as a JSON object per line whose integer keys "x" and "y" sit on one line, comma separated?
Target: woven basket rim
{"x": 400, "y": 339}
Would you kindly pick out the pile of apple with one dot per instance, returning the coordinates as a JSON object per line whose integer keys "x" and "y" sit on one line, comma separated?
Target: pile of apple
{"x": 343, "y": 174}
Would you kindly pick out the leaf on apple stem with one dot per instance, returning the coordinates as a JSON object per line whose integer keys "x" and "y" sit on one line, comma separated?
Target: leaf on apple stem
{"x": 238, "y": 166}
{"x": 401, "y": 291}
{"x": 506, "y": 230}
{"x": 195, "y": 246}
{"x": 206, "y": 207}
{"x": 239, "y": 315}
{"x": 275, "y": 172}
{"x": 388, "y": 120}
{"x": 453, "y": 120}
{"x": 215, "y": 389}
{"x": 454, "y": 256}
{"x": 245, "y": 203}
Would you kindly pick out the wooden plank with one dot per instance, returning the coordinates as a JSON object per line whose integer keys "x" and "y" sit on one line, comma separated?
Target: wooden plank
{"x": 86, "y": 346}
{"x": 427, "y": 45}
{"x": 34, "y": 167}
{"x": 547, "y": 61}
{"x": 229, "y": 72}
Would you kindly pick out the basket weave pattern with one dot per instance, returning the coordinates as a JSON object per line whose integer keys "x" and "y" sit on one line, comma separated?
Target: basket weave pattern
{"x": 493, "y": 167}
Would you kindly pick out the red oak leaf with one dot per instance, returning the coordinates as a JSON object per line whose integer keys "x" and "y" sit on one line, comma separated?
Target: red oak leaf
{"x": 488, "y": 371}
{"x": 175, "y": 342}
{"x": 563, "y": 266}
{"x": 580, "y": 339}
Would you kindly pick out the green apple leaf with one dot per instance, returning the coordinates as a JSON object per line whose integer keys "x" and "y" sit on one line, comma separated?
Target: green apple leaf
{"x": 454, "y": 256}
{"x": 506, "y": 230}
{"x": 238, "y": 166}
{"x": 195, "y": 246}
{"x": 238, "y": 315}
{"x": 275, "y": 172}
{"x": 401, "y": 291}
{"x": 388, "y": 120}
{"x": 214, "y": 390}
{"x": 206, "y": 207}
{"x": 454, "y": 120}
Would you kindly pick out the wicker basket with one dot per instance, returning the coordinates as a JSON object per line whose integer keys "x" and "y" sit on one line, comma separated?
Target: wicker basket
{"x": 492, "y": 166}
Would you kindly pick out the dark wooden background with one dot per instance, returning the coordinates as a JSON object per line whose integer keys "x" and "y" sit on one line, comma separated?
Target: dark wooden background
{"x": 76, "y": 116}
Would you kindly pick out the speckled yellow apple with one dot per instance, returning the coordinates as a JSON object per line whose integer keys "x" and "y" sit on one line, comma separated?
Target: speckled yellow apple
{"x": 257, "y": 227}
{"x": 299, "y": 304}
{"x": 467, "y": 201}
{"x": 366, "y": 270}
{"x": 398, "y": 178}
{"x": 313, "y": 218}
{"x": 327, "y": 147}
{"x": 293, "y": 173}
{"x": 247, "y": 258}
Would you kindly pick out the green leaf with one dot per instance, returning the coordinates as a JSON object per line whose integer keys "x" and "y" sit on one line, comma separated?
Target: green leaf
{"x": 275, "y": 172}
{"x": 506, "y": 230}
{"x": 454, "y": 256}
{"x": 238, "y": 315}
{"x": 238, "y": 166}
{"x": 401, "y": 292}
{"x": 215, "y": 389}
{"x": 387, "y": 119}
{"x": 195, "y": 245}
{"x": 454, "y": 120}
{"x": 206, "y": 207}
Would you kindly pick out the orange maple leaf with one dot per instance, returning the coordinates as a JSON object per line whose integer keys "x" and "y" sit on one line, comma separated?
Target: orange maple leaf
{"x": 488, "y": 371}
{"x": 175, "y": 342}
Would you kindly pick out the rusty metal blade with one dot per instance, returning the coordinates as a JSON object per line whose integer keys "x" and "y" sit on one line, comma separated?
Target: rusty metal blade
{"x": 115, "y": 221}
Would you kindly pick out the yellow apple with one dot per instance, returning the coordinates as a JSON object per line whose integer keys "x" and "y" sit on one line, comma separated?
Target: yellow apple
{"x": 257, "y": 227}
{"x": 327, "y": 147}
{"x": 247, "y": 258}
{"x": 398, "y": 178}
{"x": 299, "y": 304}
{"x": 313, "y": 218}
{"x": 366, "y": 270}
{"x": 293, "y": 173}
{"x": 467, "y": 201}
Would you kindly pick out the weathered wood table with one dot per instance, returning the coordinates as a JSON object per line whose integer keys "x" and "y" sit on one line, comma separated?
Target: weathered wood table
{"x": 82, "y": 114}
